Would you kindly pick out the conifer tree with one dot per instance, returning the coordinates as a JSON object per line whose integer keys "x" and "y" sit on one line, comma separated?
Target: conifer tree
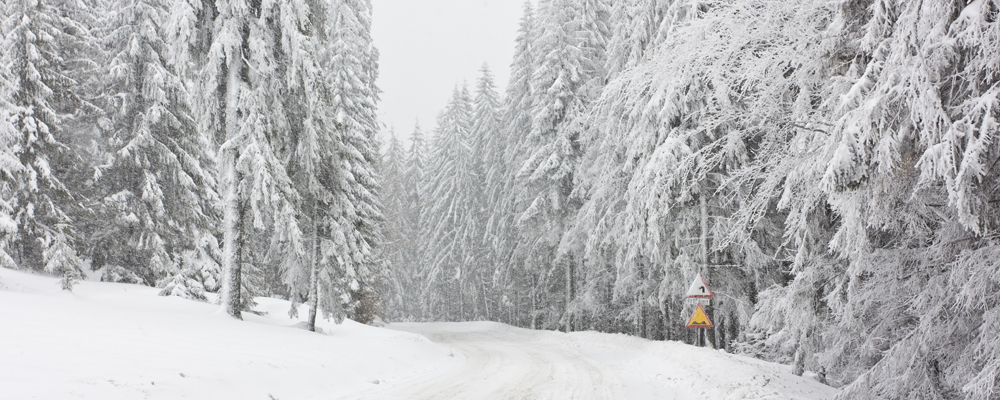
{"x": 516, "y": 117}
{"x": 449, "y": 220}
{"x": 48, "y": 51}
{"x": 10, "y": 166}
{"x": 415, "y": 172}
{"x": 393, "y": 199}
{"x": 355, "y": 215}
{"x": 562, "y": 83}
{"x": 412, "y": 214}
{"x": 335, "y": 169}
{"x": 157, "y": 186}
{"x": 239, "y": 96}
{"x": 633, "y": 23}
{"x": 489, "y": 148}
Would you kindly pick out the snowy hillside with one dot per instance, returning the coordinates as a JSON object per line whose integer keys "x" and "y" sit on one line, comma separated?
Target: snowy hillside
{"x": 116, "y": 341}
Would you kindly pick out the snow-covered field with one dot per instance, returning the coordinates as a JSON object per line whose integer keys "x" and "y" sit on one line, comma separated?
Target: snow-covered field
{"x": 114, "y": 341}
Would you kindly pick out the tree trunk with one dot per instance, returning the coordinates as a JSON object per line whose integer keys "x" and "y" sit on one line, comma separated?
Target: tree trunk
{"x": 799, "y": 366}
{"x": 313, "y": 260}
{"x": 665, "y": 320}
{"x": 461, "y": 301}
{"x": 569, "y": 295}
{"x": 235, "y": 72}
{"x": 642, "y": 318}
{"x": 486, "y": 310}
{"x": 534, "y": 303}
{"x": 232, "y": 240}
{"x": 313, "y": 299}
{"x": 709, "y": 333}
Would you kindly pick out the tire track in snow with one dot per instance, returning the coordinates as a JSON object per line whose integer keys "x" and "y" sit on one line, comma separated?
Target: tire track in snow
{"x": 501, "y": 363}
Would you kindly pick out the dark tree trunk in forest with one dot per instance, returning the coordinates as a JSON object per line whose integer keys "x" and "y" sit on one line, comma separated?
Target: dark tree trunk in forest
{"x": 313, "y": 261}
{"x": 569, "y": 295}
{"x": 709, "y": 310}
{"x": 233, "y": 242}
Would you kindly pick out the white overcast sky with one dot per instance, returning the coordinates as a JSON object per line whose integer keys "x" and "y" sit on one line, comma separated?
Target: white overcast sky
{"x": 428, "y": 46}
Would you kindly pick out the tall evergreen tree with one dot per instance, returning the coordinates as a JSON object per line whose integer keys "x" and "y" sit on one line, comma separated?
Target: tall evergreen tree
{"x": 412, "y": 215}
{"x": 156, "y": 187}
{"x": 355, "y": 216}
{"x": 449, "y": 222}
{"x": 242, "y": 107}
{"x": 10, "y": 165}
{"x": 393, "y": 198}
{"x": 48, "y": 51}
{"x": 489, "y": 148}
{"x": 562, "y": 83}
{"x": 516, "y": 117}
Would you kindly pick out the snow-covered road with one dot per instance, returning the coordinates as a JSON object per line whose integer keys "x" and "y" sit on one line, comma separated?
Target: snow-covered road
{"x": 496, "y": 361}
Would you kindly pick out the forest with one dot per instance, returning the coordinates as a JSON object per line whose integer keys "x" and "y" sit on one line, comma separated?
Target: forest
{"x": 829, "y": 167}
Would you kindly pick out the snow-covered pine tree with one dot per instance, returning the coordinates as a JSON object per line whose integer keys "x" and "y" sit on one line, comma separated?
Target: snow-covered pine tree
{"x": 199, "y": 271}
{"x": 10, "y": 165}
{"x": 62, "y": 260}
{"x": 336, "y": 168}
{"x": 393, "y": 199}
{"x": 908, "y": 165}
{"x": 241, "y": 99}
{"x": 449, "y": 219}
{"x": 595, "y": 31}
{"x": 187, "y": 31}
{"x": 412, "y": 214}
{"x": 312, "y": 146}
{"x": 561, "y": 83}
{"x": 365, "y": 278}
{"x": 156, "y": 186}
{"x": 516, "y": 117}
{"x": 48, "y": 51}
{"x": 677, "y": 140}
{"x": 416, "y": 162}
{"x": 489, "y": 147}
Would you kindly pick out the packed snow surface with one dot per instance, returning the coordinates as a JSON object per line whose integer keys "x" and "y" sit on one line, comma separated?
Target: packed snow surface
{"x": 113, "y": 341}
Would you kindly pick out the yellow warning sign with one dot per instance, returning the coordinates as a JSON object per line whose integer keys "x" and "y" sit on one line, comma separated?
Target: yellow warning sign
{"x": 699, "y": 319}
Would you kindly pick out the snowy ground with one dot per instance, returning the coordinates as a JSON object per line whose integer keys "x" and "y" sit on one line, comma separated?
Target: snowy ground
{"x": 113, "y": 341}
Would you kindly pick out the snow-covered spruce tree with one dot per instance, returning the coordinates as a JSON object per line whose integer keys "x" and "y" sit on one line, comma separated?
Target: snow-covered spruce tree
{"x": 449, "y": 220}
{"x": 311, "y": 147}
{"x": 413, "y": 249}
{"x": 792, "y": 321}
{"x": 683, "y": 148}
{"x": 563, "y": 79}
{"x": 7, "y": 231}
{"x": 334, "y": 166}
{"x": 393, "y": 199}
{"x": 516, "y": 118}
{"x": 47, "y": 48}
{"x": 416, "y": 163}
{"x": 908, "y": 167}
{"x": 187, "y": 31}
{"x": 489, "y": 148}
{"x": 156, "y": 186}
{"x": 241, "y": 105}
{"x": 10, "y": 166}
{"x": 355, "y": 217}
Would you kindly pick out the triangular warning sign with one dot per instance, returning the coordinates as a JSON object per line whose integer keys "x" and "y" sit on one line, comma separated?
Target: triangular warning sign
{"x": 699, "y": 289}
{"x": 699, "y": 319}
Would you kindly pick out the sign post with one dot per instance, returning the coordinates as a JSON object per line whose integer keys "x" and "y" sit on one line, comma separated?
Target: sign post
{"x": 699, "y": 320}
